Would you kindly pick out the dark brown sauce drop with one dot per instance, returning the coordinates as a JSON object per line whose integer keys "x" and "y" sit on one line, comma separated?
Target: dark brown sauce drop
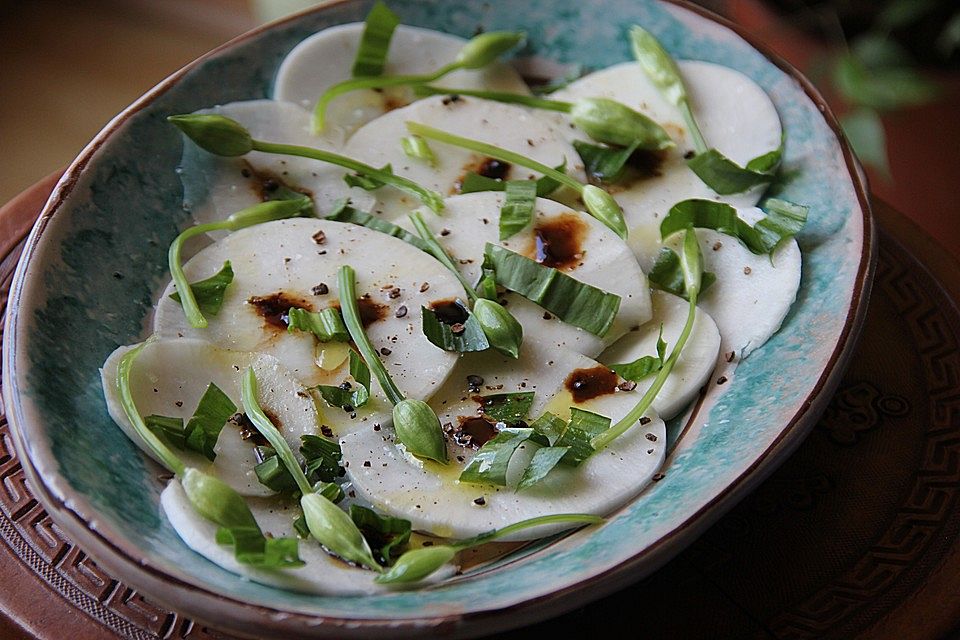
{"x": 486, "y": 167}
{"x": 450, "y": 311}
{"x": 558, "y": 242}
{"x": 586, "y": 384}
{"x": 248, "y": 432}
{"x": 647, "y": 163}
{"x": 474, "y": 431}
{"x": 370, "y": 311}
{"x": 275, "y": 308}
{"x": 269, "y": 186}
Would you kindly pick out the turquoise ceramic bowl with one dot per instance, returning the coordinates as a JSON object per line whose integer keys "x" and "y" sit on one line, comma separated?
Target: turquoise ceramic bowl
{"x": 96, "y": 258}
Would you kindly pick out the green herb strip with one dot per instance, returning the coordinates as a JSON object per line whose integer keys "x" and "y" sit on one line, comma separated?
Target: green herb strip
{"x": 327, "y": 324}
{"x": 508, "y": 408}
{"x": 574, "y": 302}
{"x": 346, "y": 396}
{"x": 442, "y": 335}
{"x": 726, "y": 177}
{"x": 783, "y": 221}
{"x": 489, "y": 464}
{"x": 667, "y": 275}
{"x": 605, "y": 164}
{"x": 474, "y": 182}
{"x": 518, "y": 207}
{"x": 375, "y": 41}
{"x": 209, "y": 292}
{"x": 643, "y": 366}
{"x": 388, "y": 537}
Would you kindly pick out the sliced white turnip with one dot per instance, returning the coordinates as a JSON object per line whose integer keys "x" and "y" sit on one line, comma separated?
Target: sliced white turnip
{"x": 735, "y": 115}
{"x": 294, "y": 263}
{"x": 508, "y": 126}
{"x": 170, "y": 376}
{"x": 325, "y": 59}
{"x": 571, "y": 241}
{"x": 432, "y": 497}
{"x": 696, "y": 361}
{"x": 215, "y": 187}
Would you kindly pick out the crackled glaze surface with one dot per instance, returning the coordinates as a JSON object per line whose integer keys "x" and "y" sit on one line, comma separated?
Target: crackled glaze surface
{"x": 97, "y": 260}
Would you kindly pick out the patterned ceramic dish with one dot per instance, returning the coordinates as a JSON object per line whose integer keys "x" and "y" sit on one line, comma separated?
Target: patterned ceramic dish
{"x": 96, "y": 258}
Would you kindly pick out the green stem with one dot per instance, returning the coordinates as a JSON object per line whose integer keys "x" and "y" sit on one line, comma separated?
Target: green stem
{"x": 698, "y": 142}
{"x": 430, "y": 198}
{"x": 187, "y": 299}
{"x": 605, "y": 438}
{"x": 438, "y": 252}
{"x": 248, "y": 393}
{"x": 167, "y": 457}
{"x": 498, "y": 96}
{"x": 559, "y": 518}
{"x": 494, "y": 152}
{"x": 346, "y": 282}
{"x": 374, "y": 82}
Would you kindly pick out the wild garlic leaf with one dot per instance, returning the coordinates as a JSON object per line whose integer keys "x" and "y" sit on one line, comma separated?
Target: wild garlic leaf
{"x": 203, "y": 429}
{"x": 605, "y": 164}
{"x": 270, "y": 471}
{"x": 321, "y": 458}
{"x": 643, "y": 366}
{"x": 417, "y": 147}
{"x": 349, "y": 395}
{"x": 783, "y": 221}
{"x": 574, "y": 302}
{"x": 327, "y": 324}
{"x": 518, "y": 207}
{"x": 209, "y": 292}
{"x": 544, "y": 461}
{"x": 582, "y": 426}
{"x": 366, "y": 182}
{"x": 171, "y": 430}
{"x": 388, "y": 536}
{"x": 375, "y": 42}
{"x": 461, "y": 338}
{"x": 252, "y": 548}
{"x": 726, "y": 177}
{"x": 667, "y": 275}
{"x": 508, "y": 408}
{"x": 489, "y": 464}
{"x": 474, "y": 182}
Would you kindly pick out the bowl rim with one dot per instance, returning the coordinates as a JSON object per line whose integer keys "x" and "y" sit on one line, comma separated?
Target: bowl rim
{"x": 198, "y": 601}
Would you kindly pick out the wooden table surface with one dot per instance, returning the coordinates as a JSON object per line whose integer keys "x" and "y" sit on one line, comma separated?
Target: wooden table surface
{"x": 857, "y": 535}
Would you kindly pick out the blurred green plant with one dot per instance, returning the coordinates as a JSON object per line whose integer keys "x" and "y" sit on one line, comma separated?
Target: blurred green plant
{"x": 875, "y": 74}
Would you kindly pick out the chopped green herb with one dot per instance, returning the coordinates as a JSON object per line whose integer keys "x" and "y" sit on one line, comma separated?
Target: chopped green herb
{"x": 169, "y": 429}
{"x": 321, "y": 458}
{"x": 508, "y": 408}
{"x": 518, "y": 208}
{"x": 375, "y": 41}
{"x": 574, "y": 302}
{"x": 209, "y": 292}
{"x": 667, "y": 275}
{"x": 643, "y": 366}
{"x": 417, "y": 147}
{"x": 474, "y": 182}
{"x": 783, "y": 221}
{"x": 489, "y": 464}
{"x": 543, "y": 462}
{"x": 726, "y": 177}
{"x": 387, "y": 536}
{"x": 327, "y": 324}
{"x": 271, "y": 473}
{"x": 463, "y": 338}
{"x": 365, "y": 181}
{"x": 348, "y": 396}
{"x": 605, "y": 164}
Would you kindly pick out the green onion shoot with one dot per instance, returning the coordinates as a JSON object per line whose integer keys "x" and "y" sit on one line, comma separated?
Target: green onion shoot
{"x": 417, "y": 564}
{"x": 225, "y": 137}
{"x": 599, "y": 203}
{"x": 414, "y": 422}
{"x": 475, "y": 54}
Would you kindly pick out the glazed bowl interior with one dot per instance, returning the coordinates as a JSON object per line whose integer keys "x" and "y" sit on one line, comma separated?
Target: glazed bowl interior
{"x": 96, "y": 262}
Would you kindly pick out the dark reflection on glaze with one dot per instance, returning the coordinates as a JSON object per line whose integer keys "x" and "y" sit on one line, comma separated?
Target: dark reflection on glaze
{"x": 558, "y": 242}
{"x": 586, "y": 384}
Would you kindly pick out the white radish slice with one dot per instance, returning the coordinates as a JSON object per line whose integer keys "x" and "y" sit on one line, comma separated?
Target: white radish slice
{"x": 605, "y": 261}
{"x": 697, "y": 359}
{"x": 752, "y": 294}
{"x": 432, "y": 497}
{"x": 735, "y": 115}
{"x": 325, "y": 59}
{"x": 282, "y": 263}
{"x": 215, "y": 187}
{"x": 508, "y": 126}
{"x": 322, "y": 573}
{"x": 170, "y": 376}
